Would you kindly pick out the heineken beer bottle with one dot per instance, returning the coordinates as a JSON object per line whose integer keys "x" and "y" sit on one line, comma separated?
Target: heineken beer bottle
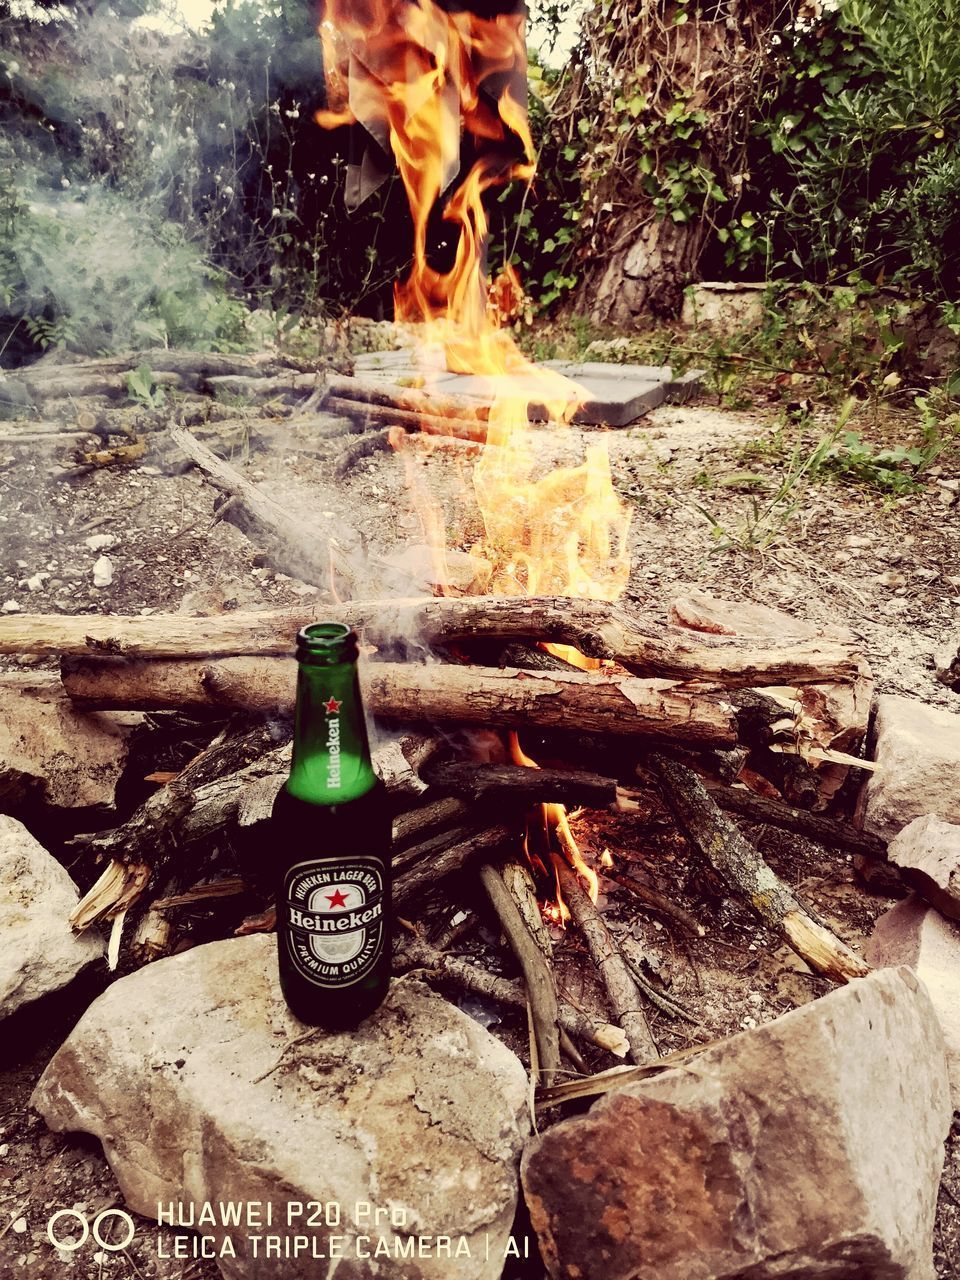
{"x": 332, "y": 832}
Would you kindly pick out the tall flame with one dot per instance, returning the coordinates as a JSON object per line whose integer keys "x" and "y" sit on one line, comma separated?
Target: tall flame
{"x": 416, "y": 75}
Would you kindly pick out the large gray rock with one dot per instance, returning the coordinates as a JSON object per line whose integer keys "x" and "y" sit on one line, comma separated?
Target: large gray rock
{"x": 72, "y": 759}
{"x": 39, "y": 952}
{"x": 810, "y": 1147}
{"x": 927, "y": 851}
{"x": 914, "y": 934}
{"x": 202, "y": 1088}
{"x": 918, "y": 751}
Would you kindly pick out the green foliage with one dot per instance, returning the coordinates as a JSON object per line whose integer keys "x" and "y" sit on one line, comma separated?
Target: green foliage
{"x": 855, "y": 166}
{"x": 143, "y": 388}
{"x": 99, "y": 274}
{"x": 766, "y": 522}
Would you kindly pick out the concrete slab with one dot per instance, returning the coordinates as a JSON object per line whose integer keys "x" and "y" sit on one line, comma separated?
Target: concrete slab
{"x": 615, "y": 394}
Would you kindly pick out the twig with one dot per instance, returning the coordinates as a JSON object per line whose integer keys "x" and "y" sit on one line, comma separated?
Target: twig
{"x": 537, "y": 974}
{"x": 659, "y": 902}
{"x": 472, "y": 978}
{"x": 362, "y": 446}
{"x": 617, "y": 978}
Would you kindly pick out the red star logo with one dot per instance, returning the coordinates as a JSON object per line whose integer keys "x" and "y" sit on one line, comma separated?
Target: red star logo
{"x": 332, "y": 706}
{"x": 337, "y": 899}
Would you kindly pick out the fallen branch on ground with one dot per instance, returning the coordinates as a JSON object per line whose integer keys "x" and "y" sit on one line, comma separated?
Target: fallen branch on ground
{"x": 746, "y": 872}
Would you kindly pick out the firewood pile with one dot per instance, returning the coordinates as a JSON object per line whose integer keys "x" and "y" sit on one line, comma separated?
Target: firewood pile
{"x": 487, "y": 737}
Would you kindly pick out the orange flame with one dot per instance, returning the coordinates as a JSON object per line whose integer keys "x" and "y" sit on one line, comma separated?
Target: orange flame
{"x": 413, "y": 75}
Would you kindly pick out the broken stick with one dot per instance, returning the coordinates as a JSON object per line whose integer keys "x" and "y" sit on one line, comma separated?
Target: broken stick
{"x": 746, "y": 872}
{"x": 469, "y": 977}
{"x": 537, "y": 974}
{"x": 617, "y": 979}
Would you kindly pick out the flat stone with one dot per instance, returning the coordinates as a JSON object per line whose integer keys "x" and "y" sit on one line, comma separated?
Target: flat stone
{"x": 927, "y": 851}
{"x": 918, "y": 753}
{"x": 39, "y": 952}
{"x": 701, "y": 611}
{"x": 809, "y": 1147}
{"x": 613, "y": 400}
{"x": 914, "y": 934}
{"x": 203, "y": 1087}
{"x": 70, "y": 759}
{"x": 685, "y": 388}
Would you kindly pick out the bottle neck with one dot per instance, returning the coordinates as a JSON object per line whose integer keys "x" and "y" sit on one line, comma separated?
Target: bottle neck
{"x": 331, "y": 752}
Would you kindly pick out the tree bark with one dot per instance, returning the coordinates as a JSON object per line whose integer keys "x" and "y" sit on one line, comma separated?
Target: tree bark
{"x": 649, "y": 274}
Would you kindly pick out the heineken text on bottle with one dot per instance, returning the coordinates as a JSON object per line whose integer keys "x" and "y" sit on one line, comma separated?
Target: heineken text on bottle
{"x": 331, "y": 824}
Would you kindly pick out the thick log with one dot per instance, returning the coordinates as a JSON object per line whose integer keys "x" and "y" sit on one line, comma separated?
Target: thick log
{"x": 745, "y": 871}
{"x": 469, "y": 977}
{"x": 826, "y": 831}
{"x": 438, "y": 694}
{"x": 310, "y": 550}
{"x": 641, "y": 643}
{"x": 517, "y": 785}
{"x": 189, "y": 364}
{"x": 76, "y": 385}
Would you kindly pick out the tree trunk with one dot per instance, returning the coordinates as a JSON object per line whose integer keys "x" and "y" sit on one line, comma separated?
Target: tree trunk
{"x": 649, "y": 274}
{"x": 672, "y": 137}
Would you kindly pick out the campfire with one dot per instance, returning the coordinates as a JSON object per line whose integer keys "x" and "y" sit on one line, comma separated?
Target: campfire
{"x": 525, "y": 710}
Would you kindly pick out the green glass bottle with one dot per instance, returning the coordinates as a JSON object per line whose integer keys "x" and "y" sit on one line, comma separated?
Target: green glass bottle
{"x": 332, "y": 832}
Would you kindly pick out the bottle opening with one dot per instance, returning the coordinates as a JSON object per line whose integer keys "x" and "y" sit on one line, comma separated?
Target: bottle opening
{"x": 326, "y": 644}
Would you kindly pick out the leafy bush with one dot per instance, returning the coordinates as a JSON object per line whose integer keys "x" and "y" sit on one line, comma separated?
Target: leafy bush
{"x": 97, "y": 274}
{"x": 856, "y": 163}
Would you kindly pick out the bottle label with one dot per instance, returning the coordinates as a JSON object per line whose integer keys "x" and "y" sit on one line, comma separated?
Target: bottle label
{"x": 334, "y": 918}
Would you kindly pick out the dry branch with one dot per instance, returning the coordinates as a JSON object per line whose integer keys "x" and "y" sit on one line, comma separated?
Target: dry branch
{"x": 746, "y": 872}
{"x": 826, "y": 831}
{"x": 617, "y": 979}
{"x": 469, "y": 977}
{"x": 537, "y": 974}
{"x": 512, "y": 783}
{"x": 311, "y": 550}
{"x": 370, "y": 415}
{"x": 642, "y": 644}
{"x": 425, "y": 872}
{"x": 388, "y": 395}
{"x": 437, "y": 694}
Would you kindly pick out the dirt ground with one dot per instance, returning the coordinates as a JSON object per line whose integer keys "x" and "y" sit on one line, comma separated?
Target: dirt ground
{"x": 887, "y": 569}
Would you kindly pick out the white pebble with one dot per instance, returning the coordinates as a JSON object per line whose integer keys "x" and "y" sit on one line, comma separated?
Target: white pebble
{"x": 103, "y": 572}
{"x": 19, "y": 1226}
{"x": 100, "y": 541}
{"x": 11, "y": 606}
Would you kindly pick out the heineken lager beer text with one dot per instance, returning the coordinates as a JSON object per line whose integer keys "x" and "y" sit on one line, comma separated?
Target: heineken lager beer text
{"x": 332, "y": 831}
